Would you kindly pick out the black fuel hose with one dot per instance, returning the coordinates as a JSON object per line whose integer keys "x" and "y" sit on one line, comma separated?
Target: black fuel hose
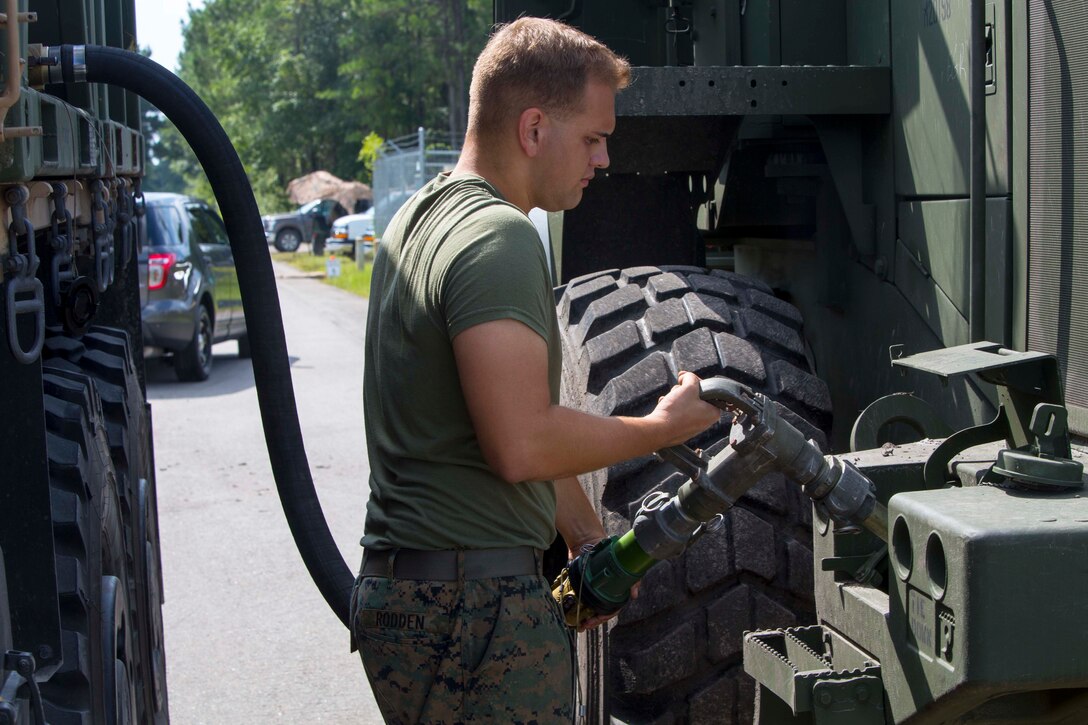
{"x": 271, "y": 368}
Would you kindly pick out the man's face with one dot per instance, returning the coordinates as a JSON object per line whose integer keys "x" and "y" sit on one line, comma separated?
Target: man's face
{"x": 573, "y": 148}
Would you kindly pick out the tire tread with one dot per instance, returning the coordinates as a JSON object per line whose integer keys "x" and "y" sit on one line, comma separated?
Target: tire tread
{"x": 674, "y": 652}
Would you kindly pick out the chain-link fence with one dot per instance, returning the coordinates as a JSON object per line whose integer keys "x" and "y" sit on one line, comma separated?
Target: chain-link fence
{"x": 404, "y": 165}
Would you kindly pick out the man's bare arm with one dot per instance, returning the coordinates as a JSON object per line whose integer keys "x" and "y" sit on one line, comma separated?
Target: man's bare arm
{"x": 503, "y": 366}
{"x": 575, "y": 518}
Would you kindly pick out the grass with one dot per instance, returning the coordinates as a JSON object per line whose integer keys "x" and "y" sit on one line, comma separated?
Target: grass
{"x": 351, "y": 278}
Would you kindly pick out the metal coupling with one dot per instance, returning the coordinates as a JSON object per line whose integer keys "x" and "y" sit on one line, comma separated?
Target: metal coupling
{"x": 853, "y": 499}
{"x": 665, "y": 531}
{"x": 58, "y": 64}
{"x": 78, "y": 63}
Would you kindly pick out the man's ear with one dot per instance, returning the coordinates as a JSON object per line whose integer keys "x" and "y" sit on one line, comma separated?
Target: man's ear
{"x": 532, "y": 126}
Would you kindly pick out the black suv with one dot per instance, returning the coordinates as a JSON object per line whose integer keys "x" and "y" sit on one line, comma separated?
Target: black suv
{"x": 188, "y": 285}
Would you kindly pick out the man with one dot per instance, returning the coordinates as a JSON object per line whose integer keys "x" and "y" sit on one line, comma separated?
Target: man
{"x": 472, "y": 459}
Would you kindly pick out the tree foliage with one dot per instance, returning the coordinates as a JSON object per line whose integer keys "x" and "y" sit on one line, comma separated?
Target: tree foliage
{"x": 300, "y": 85}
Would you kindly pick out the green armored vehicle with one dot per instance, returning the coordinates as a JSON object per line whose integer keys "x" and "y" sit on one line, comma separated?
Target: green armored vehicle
{"x": 802, "y": 193}
{"x": 80, "y": 590}
{"x": 80, "y": 586}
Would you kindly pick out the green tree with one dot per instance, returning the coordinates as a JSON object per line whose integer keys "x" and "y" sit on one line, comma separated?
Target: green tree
{"x": 414, "y": 61}
{"x": 268, "y": 69}
{"x": 368, "y": 155}
{"x": 170, "y": 162}
{"x": 299, "y": 84}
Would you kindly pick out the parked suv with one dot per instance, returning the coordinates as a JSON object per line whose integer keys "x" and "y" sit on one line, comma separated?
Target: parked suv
{"x": 310, "y": 223}
{"x": 188, "y": 285}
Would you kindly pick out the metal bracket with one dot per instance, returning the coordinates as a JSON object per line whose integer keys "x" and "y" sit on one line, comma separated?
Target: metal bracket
{"x": 853, "y": 701}
{"x": 22, "y": 269}
{"x": 20, "y": 668}
{"x": 1024, "y": 381}
{"x": 63, "y": 270}
{"x": 862, "y": 568}
{"x": 936, "y": 473}
{"x": 126, "y": 218}
{"x": 13, "y": 70}
{"x": 102, "y": 224}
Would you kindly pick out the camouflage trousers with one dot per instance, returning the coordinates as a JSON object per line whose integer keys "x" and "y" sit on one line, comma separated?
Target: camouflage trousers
{"x": 485, "y": 650}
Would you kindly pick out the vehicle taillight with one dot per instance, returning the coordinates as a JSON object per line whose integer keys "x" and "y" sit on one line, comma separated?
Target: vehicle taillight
{"x": 158, "y": 267}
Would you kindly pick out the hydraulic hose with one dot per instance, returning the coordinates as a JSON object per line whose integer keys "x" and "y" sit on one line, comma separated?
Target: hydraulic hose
{"x": 271, "y": 369}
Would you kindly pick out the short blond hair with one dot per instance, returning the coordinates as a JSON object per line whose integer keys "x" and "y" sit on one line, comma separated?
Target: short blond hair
{"x": 537, "y": 63}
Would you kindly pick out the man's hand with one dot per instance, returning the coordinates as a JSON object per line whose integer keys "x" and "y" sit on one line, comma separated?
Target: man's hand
{"x": 683, "y": 412}
{"x": 584, "y": 548}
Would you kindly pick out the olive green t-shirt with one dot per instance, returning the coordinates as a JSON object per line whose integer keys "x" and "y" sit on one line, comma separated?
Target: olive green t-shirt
{"x": 456, "y": 255}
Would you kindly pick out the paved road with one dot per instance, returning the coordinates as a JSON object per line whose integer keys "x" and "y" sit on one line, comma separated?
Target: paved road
{"x": 248, "y": 637}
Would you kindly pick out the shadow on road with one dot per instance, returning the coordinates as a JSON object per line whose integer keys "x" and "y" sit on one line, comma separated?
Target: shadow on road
{"x": 230, "y": 374}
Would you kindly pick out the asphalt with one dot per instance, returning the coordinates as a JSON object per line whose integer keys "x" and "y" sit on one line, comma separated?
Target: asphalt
{"x": 248, "y": 637}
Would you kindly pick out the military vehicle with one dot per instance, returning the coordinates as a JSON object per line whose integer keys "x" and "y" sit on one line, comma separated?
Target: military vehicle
{"x": 80, "y": 586}
{"x": 81, "y": 591}
{"x": 800, "y": 193}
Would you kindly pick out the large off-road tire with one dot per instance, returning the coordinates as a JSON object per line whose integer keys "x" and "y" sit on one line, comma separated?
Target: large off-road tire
{"x": 674, "y": 653}
{"x": 79, "y": 468}
{"x": 104, "y": 359}
{"x": 88, "y": 539}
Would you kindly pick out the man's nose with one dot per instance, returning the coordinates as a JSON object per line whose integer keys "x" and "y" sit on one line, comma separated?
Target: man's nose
{"x": 599, "y": 159}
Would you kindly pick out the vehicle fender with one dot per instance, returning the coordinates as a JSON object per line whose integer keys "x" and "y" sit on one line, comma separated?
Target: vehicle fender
{"x": 200, "y": 284}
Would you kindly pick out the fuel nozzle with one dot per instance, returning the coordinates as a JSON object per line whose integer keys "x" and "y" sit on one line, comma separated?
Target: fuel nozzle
{"x": 598, "y": 582}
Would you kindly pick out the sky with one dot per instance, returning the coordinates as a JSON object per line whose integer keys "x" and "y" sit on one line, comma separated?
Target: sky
{"x": 158, "y": 26}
